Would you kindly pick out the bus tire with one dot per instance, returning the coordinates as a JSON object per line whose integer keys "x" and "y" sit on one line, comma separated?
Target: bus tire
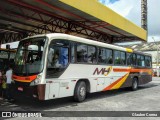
{"x": 80, "y": 91}
{"x": 134, "y": 84}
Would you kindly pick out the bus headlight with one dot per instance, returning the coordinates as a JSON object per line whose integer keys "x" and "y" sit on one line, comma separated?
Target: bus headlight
{"x": 38, "y": 79}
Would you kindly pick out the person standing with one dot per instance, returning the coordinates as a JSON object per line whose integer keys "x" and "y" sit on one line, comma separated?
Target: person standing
{"x": 9, "y": 81}
{"x": 4, "y": 86}
{"x": 0, "y": 83}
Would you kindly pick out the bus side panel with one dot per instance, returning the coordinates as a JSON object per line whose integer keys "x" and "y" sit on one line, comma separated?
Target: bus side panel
{"x": 143, "y": 78}
{"x": 128, "y": 82}
{"x": 52, "y": 90}
{"x": 67, "y": 87}
{"x": 47, "y": 91}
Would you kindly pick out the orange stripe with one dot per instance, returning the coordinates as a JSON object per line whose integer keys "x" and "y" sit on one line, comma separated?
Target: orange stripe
{"x": 131, "y": 70}
{"x": 114, "y": 83}
{"x": 24, "y": 79}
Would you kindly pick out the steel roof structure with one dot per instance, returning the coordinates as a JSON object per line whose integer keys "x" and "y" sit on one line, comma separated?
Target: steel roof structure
{"x": 152, "y": 46}
{"x": 85, "y": 18}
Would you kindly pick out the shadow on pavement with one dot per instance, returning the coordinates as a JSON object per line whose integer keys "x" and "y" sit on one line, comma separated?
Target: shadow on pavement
{"x": 30, "y": 104}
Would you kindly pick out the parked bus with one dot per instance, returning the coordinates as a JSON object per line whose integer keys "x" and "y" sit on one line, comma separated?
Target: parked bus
{"x": 6, "y": 58}
{"x": 57, "y": 65}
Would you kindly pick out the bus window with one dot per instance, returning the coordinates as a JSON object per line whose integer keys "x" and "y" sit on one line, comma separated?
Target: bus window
{"x": 117, "y": 58}
{"x": 91, "y": 54}
{"x": 81, "y": 53}
{"x": 123, "y": 58}
{"x": 148, "y": 61}
{"x": 133, "y": 59}
{"x": 109, "y": 56}
{"x": 128, "y": 58}
{"x": 57, "y": 58}
{"x": 142, "y": 61}
{"x": 138, "y": 60}
{"x": 101, "y": 56}
{"x": 72, "y": 52}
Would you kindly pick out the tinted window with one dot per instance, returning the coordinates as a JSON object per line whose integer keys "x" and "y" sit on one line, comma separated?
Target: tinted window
{"x": 142, "y": 61}
{"x": 91, "y": 54}
{"x": 102, "y": 56}
{"x": 72, "y": 52}
{"x": 117, "y": 57}
{"x": 148, "y": 61}
{"x": 129, "y": 58}
{"x": 133, "y": 59}
{"x": 123, "y": 58}
{"x": 109, "y": 56}
{"x": 138, "y": 60}
{"x": 82, "y": 53}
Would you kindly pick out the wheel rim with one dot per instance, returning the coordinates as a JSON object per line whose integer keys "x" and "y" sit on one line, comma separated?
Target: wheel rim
{"x": 82, "y": 91}
{"x": 135, "y": 84}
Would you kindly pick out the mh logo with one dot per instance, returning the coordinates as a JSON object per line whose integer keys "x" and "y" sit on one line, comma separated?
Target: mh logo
{"x": 102, "y": 71}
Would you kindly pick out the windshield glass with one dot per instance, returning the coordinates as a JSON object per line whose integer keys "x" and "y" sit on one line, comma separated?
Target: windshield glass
{"x": 28, "y": 60}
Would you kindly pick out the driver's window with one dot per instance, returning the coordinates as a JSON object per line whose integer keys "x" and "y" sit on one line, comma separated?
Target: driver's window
{"x": 57, "y": 59}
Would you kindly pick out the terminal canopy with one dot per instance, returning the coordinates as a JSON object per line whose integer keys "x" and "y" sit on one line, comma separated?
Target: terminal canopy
{"x": 84, "y": 18}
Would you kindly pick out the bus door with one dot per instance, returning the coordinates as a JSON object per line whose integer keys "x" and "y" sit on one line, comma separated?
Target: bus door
{"x": 57, "y": 62}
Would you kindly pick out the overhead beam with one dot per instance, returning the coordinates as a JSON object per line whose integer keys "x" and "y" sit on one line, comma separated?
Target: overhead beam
{"x": 11, "y": 37}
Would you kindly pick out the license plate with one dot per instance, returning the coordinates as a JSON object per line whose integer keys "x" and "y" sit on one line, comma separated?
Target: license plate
{"x": 20, "y": 88}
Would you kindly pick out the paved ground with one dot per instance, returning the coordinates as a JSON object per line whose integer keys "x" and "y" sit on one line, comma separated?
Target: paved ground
{"x": 146, "y": 98}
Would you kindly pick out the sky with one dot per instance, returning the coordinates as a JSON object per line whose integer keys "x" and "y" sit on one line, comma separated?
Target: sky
{"x": 131, "y": 9}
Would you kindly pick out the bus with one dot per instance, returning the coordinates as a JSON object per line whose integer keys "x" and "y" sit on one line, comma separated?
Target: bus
{"x": 6, "y": 58}
{"x": 58, "y": 65}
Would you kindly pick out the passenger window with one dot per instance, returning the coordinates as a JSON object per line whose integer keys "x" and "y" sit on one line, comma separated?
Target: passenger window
{"x": 117, "y": 58}
{"x": 123, "y": 58}
{"x": 91, "y": 54}
{"x": 129, "y": 58}
{"x": 148, "y": 61}
{"x": 142, "y": 61}
{"x": 101, "y": 56}
{"x": 138, "y": 60}
{"x": 109, "y": 56}
{"x": 133, "y": 59}
{"x": 82, "y": 53}
{"x": 72, "y": 52}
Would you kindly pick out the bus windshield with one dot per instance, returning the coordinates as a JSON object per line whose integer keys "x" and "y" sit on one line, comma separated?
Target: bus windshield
{"x": 28, "y": 60}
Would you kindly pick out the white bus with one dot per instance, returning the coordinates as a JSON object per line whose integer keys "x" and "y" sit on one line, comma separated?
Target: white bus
{"x": 6, "y": 58}
{"x": 57, "y": 65}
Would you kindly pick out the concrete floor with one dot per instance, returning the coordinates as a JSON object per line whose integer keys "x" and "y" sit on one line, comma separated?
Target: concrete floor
{"x": 146, "y": 98}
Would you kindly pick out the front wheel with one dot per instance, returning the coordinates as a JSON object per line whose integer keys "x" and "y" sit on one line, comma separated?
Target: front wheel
{"x": 80, "y": 91}
{"x": 135, "y": 84}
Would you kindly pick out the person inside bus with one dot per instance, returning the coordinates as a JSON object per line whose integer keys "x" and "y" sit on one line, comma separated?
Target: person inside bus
{"x": 50, "y": 57}
{"x": 30, "y": 57}
{"x": 4, "y": 87}
{"x": 55, "y": 61}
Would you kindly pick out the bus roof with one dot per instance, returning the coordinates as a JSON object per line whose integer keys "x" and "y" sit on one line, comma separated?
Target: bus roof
{"x": 85, "y": 41}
